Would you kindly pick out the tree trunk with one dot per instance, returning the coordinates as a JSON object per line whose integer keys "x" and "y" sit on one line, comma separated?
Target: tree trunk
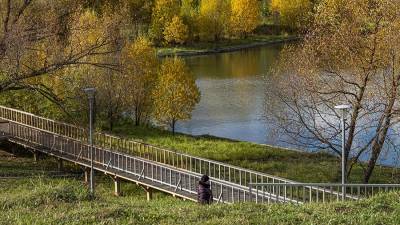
{"x": 137, "y": 117}
{"x": 377, "y": 148}
{"x": 353, "y": 125}
{"x": 371, "y": 164}
{"x": 173, "y": 126}
{"x": 383, "y": 126}
{"x": 378, "y": 143}
{"x": 111, "y": 124}
{"x": 110, "y": 119}
{"x": 137, "y": 121}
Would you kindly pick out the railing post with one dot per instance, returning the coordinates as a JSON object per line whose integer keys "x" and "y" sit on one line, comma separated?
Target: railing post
{"x": 117, "y": 186}
{"x": 149, "y": 194}
{"x": 250, "y": 192}
{"x": 35, "y": 156}
{"x": 60, "y": 164}
{"x": 87, "y": 175}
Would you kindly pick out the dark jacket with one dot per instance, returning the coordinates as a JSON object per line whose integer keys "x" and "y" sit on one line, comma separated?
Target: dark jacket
{"x": 204, "y": 193}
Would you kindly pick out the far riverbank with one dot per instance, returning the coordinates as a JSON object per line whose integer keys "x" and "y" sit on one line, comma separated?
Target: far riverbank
{"x": 226, "y": 46}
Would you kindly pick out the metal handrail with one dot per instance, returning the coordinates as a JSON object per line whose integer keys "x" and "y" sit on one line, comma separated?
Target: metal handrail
{"x": 326, "y": 185}
{"x": 224, "y": 191}
{"x": 40, "y": 117}
{"x": 140, "y": 148}
{"x": 215, "y": 169}
{"x": 319, "y": 192}
{"x": 40, "y": 130}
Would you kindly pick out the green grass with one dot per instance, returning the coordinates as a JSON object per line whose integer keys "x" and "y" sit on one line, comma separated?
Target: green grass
{"x": 43, "y": 200}
{"x": 15, "y": 166}
{"x": 298, "y": 166}
{"x": 201, "y": 47}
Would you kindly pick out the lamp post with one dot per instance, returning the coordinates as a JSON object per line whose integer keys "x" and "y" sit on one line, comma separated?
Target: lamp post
{"x": 344, "y": 109}
{"x": 91, "y": 94}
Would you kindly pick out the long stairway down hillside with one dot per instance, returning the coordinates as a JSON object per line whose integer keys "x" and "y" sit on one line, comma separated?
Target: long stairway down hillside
{"x": 149, "y": 166}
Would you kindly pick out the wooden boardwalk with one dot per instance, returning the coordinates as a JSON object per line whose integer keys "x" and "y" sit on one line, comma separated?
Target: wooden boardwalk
{"x": 151, "y": 167}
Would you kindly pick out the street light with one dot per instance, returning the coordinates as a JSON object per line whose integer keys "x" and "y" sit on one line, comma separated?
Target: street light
{"x": 344, "y": 109}
{"x": 91, "y": 94}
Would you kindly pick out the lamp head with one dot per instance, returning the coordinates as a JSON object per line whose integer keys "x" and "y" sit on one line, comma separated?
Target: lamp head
{"x": 90, "y": 91}
{"x": 343, "y": 107}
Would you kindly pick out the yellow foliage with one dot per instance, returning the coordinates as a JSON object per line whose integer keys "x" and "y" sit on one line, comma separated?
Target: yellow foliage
{"x": 90, "y": 32}
{"x": 292, "y": 13}
{"x": 213, "y": 19}
{"x": 188, "y": 8}
{"x": 163, "y": 12}
{"x": 176, "y": 31}
{"x": 140, "y": 72}
{"x": 245, "y": 17}
{"x": 175, "y": 94}
{"x": 140, "y": 57}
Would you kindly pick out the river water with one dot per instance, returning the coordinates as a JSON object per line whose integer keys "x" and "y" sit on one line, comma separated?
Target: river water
{"x": 232, "y": 94}
{"x": 232, "y": 97}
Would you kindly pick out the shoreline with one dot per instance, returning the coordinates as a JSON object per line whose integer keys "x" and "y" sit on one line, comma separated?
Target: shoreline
{"x": 250, "y": 142}
{"x": 232, "y": 48}
{"x": 280, "y": 147}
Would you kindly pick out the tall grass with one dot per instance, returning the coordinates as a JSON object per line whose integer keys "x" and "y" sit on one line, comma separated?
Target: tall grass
{"x": 59, "y": 201}
{"x": 41, "y": 192}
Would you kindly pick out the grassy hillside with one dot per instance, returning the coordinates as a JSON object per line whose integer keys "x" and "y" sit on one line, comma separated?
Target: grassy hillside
{"x": 45, "y": 200}
{"x": 299, "y": 166}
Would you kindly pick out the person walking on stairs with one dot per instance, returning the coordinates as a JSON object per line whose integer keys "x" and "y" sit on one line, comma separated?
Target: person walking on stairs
{"x": 204, "y": 192}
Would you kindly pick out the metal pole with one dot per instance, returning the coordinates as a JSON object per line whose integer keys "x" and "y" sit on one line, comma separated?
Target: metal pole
{"x": 343, "y": 154}
{"x": 91, "y": 144}
{"x": 344, "y": 109}
{"x": 91, "y": 95}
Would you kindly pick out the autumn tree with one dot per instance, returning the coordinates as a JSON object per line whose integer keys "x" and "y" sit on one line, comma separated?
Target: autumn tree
{"x": 140, "y": 14}
{"x": 140, "y": 66}
{"x": 213, "y": 19}
{"x": 176, "y": 32}
{"x": 189, "y": 14}
{"x": 245, "y": 17}
{"x": 292, "y": 13}
{"x": 107, "y": 80}
{"x": 163, "y": 12}
{"x": 40, "y": 39}
{"x": 110, "y": 91}
{"x": 99, "y": 5}
{"x": 175, "y": 94}
{"x": 51, "y": 103}
{"x": 350, "y": 56}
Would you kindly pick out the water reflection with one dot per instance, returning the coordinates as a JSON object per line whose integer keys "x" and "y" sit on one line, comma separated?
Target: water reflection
{"x": 232, "y": 98}
{"x": 241, "y": 64}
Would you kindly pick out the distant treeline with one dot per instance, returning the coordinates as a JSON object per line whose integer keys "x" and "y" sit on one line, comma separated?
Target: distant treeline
{"x": 174, "y": 22}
